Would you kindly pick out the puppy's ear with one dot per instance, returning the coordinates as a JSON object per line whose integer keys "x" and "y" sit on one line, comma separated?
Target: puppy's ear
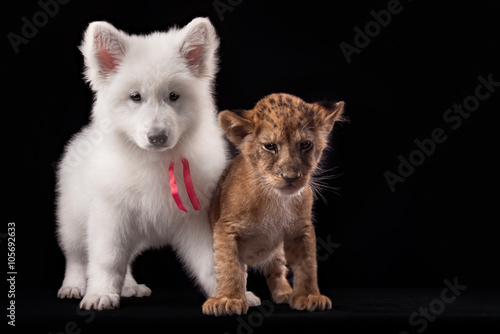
{"x": 235, "y": 126}
{"x": 104, "y": 48}
{"x": 199, "y": 47}
{"x": 328, "y": 113}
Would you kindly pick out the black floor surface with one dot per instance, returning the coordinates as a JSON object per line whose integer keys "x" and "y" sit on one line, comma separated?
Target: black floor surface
{"x": 355, "y": 311}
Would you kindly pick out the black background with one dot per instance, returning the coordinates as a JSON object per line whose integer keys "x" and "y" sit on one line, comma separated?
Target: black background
{"x": 441, "y": 223}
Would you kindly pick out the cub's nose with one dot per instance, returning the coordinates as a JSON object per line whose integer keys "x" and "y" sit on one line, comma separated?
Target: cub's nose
{"x": 290, "y": 177}
{"x": 157, "y": 137}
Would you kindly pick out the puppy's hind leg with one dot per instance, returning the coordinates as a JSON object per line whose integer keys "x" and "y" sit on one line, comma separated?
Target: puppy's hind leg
{"x": 194, "y": 245}
{"x": 131, "y": 288}
{"x": 252, "y": 299}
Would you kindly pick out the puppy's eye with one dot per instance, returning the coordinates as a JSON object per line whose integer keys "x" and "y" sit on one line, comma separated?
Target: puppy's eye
{"x": 136, "y": 97}
{"x": 173, "y": 96}
{"x": 305, "y": 145}
{"x": 271, "y": 147}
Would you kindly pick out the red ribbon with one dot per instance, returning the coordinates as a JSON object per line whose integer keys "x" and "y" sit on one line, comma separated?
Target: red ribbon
{"x": 189, "y": 186}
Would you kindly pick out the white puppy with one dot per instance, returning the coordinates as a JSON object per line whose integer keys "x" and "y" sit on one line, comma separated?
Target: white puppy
{"x": 142, "y": 173}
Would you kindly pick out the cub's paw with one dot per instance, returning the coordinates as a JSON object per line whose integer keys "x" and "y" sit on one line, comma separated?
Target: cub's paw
{"x": 137, "y": 290}
{"x": 225, "y": 306}
{"x": 100, "y": 302}
{"x": 310, "y": 302}
{"x": 281, "y": 297}
{"x": 252, "y": 299}
{"x": 70, "y": 292}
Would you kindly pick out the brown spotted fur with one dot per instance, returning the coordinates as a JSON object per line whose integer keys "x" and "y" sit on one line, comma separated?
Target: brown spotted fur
{"x": 261, "y": 212}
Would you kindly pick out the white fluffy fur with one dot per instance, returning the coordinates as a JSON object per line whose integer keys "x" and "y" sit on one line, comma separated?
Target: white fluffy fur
{"x": 114, "y": 197}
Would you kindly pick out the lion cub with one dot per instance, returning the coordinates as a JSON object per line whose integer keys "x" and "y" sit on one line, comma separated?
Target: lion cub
{"x": 261, "y": 212}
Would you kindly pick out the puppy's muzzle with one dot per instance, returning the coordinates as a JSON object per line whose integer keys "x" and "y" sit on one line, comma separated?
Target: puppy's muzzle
{"x": 157, "y": 138}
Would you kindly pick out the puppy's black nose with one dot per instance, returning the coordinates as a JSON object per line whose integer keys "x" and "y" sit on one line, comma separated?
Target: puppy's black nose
{"x": 157, "y": 138}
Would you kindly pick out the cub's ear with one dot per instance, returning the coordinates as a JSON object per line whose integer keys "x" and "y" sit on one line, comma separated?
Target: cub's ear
{"x": 199, "y": 47}
{"x": 329, "y": 113}
{"x": 104, "y": 48}
{"x": 235, "y": 126}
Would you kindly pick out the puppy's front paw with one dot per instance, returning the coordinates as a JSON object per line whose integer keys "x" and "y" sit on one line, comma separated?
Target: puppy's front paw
{"x": 310, "y": 302}
{"x": 225, "y": 306}
{"x": 252, "y": 299}
{"x": 70, "y": 292}
{"x": 100, "y": 302}
{"x": 138, "y": 290}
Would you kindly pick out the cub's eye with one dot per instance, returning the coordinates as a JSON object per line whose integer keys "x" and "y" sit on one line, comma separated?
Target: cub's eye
{"x": 173, "y": 96}
{"x": 136, "y": 97}
{"x": 271, "y": 147}
{"x": 305, "y": 145}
